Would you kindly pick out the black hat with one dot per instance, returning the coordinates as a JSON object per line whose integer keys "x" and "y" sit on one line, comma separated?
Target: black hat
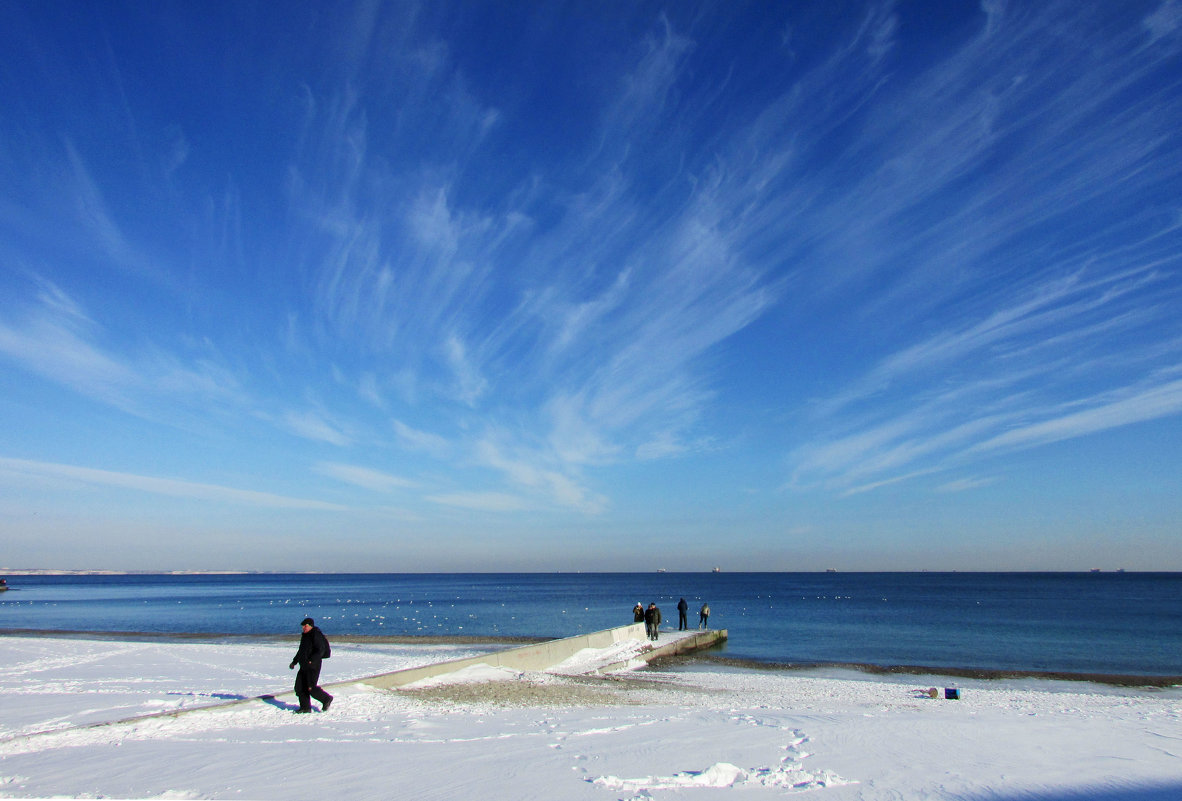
{"x": 307, "y": 622}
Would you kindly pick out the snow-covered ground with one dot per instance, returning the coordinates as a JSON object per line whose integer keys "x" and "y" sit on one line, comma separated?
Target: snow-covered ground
{"x": 495, "y": 734}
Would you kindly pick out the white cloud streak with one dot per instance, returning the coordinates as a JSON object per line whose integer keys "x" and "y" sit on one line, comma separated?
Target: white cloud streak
{"x": 966, "y": 484}
{"x": 314, "y": 426}
{"x": 173, "y": 488}
{"x": 364, "y": 477}
{"x": 423, "y": 441}
{"x": 1042, "y": 242}
{"x": 1131, "y": 405}
{"x": 481, "y": 501}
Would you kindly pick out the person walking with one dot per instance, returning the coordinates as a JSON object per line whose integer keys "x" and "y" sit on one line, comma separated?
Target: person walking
{"x": 652, "y": 621}
{"x": 638, "y": 613}
{"x": 682, "y": 608}
{"x": 313, "y": 649}
{"x": 703, "y": 616}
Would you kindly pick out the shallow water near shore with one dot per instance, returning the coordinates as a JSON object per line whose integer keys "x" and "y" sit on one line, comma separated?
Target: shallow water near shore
{"x": 1123, "y": 624}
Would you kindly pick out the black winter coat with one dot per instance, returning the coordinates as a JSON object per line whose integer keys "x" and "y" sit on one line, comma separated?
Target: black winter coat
{"x": 313, "y": 648}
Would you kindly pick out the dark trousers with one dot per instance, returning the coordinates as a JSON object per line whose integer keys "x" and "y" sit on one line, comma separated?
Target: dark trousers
{"x": 307, "y": 684}
{"x": 682, "y": 625}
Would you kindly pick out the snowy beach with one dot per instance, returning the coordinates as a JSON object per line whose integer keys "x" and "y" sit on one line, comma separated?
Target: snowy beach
{"x": 686, "y": 731}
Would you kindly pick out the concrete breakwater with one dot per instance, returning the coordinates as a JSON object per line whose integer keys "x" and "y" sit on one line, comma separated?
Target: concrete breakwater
{"x": 547, "y": 655}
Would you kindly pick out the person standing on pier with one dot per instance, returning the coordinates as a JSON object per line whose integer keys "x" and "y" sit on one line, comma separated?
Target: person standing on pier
{"x": 682, "y": 608}
{"x": 652, "y": 621}
{"x": 703, "y": 616}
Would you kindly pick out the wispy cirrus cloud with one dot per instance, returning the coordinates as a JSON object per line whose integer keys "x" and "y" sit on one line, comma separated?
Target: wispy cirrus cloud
{"x": 422, "y": 441}
{"x": 364, "y": 477}
{"x": 56, "y": 338}
{"x": 56, "y": 342}
{"x": 1024, "y": 377}
{"x": 1038, "y": 325}
{"x": 941, "y": 191}
{"x": 993, "y": 197}
{"x": 315, "y": 426}
{"x": 92, "y": 211}
{"x": 1165, "y": 20}
{"x": 970, "y": 171}
{"x": 573, "y": 337}
{"x": 481, "y": 501}
{"x": 966, "y": 484}
{"x": 1149, "y": 400}
{"x": 538, "y": 474}
{"x": 159, "y": 486}
{"x": 920, "y": 258}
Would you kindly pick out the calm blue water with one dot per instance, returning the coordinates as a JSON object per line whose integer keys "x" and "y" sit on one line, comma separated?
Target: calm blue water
{"x": 1128, "y": 623}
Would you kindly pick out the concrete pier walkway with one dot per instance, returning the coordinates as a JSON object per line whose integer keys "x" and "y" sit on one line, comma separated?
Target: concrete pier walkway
{"x": 604, "y": 651}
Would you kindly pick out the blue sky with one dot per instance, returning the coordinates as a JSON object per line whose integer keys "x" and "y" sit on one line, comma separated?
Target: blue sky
{"x": 591, "y": 285}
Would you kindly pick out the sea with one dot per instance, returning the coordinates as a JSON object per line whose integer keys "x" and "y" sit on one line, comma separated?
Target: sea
{"x": 1118, "y": 624}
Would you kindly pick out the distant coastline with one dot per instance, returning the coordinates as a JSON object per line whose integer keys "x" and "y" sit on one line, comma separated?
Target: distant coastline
{"x": 53, "y": 571}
